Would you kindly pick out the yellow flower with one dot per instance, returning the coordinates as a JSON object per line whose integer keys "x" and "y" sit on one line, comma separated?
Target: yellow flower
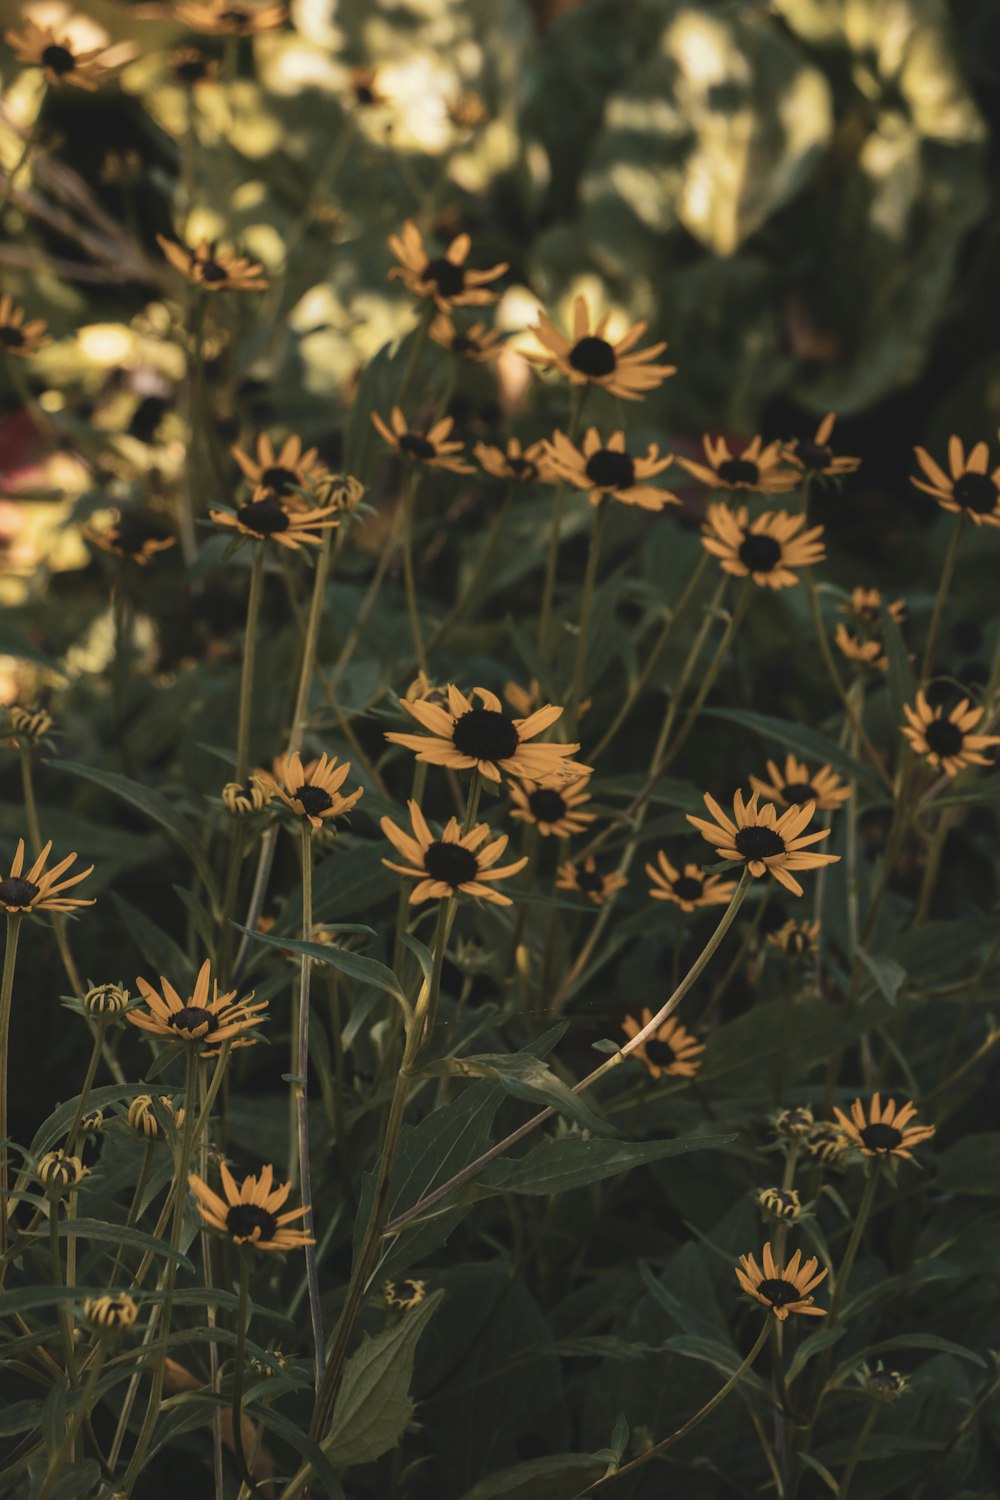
{"x": 56, "y": 56}
{"x": 969, "y": 489}
{"x": 486, "y": 739}
{"x": 111, "y": 1311}
{"x": 478, "y": 344}
{"x": 202, "y": 1018}
{"x": 796, "y": 785}
{"x": 779, "y": 1203}
{"x": 763, "y": 841}
{"x": 782, "y": 1289}
{"x": 192, "y": 67}
{"x": 229, "y": 18}
{"x": 815, "y": 456}
{"x": 282, "y": 474}
{"x": 946, "y": 742}
{"x": 670, "y": 1051}
{"x": 767, "y": 549}
{"x": 883, "y": 1130}
{"x": 404, "y": 1294}
{"x": 795, "y": 938}
{"x": 312, "y": 791}
{"x": 455, "y": 862}
{"x": 588, "y": 881}
{"x": 610, "y": 470}
{"x": 59, "y": 1172}
{"x": 31, "y": 724}
{"x": 40, "y": 889}
{"x": 689, "y": 888}
{"x": 17, "y": 336}
{"x": 249, "y": 1213}
{"x": 212, "y": 269}
{"x": 430, "y": 448}
{"x": 142, "y": 1115}
{"x": 523, "y": 466}
{"x": 588, "y": 358}
{"x": 105, "y": 1000}
{"x": 865, "y": 644}
{"x": 265, "y": 518}
{"x": 756, "y": 468}
{"x": 552, "y": 809}
{"x": 248, "y": 797}
{"x": 445, "y": 277}
{"x": 133, "y": 536}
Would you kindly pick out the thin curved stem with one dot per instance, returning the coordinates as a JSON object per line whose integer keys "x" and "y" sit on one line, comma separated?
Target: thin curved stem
{"x": 586, "y": 608}
{"x": 6, "y": 994}
{"x": 249, "y": 657}
{"x": 941, "y": 597}
{"x": 409, "y": 578}
{"x": 300, "y": 1069}
{"x": 555, "y": 533}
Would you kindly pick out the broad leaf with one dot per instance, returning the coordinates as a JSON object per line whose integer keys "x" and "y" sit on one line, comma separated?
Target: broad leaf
{"x": 556, "y": 1166}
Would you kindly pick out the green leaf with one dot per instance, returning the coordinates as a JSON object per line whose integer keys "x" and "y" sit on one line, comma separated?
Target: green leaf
{"x": 525, "y": 1077}
{"x": 556, "y": 1166}
{"x": 152, "y": 806}
{"x": 155, "y": 944}
{"x": 294, "y": 1436}
{"x": 118, "y": 1234}
{"x": 816, "y": 747}
{"x": 20, "y": 1416}
{"x": 421, "y": 953}
{"x": 913, "y": 1341}
{"x": 812, "y": 1345}
{"x": 560, "y": 1476}
{"x": 366, "y": 970}
{"x": 889, "y": 976}
{"x": 900, "y": 680}
{"x": 374, "y": 1405}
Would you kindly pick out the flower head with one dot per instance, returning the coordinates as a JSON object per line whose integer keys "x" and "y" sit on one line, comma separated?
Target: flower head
{"x": 764, "y": 842}
{"x": 883, "y": 1130}
{"x": 523, "y": 466}
{"x": 794, "y": 1123}
{"x": 229, "y": 17}
{"x": 363, "y": 86}
{"x": 143, "y": 1119}
{"x": 779, "y": 1203}
{"x": 795, "y": 784}
{"x": 767, "y": 549}
{"x": 608, "y": 470}
{"x": 690, "y": 887}
{"x": 863, "y": 642}
{"x": 30, "y": 725}
{"x": 312, "y": 791}
{"x": 795, "y": 938}
{"x": 40, "y": 889}
{"x": 205, "y": 1018}
{"x": 589, "y": 358}
{"x": 248, "y": 797}
{"x": 670, "y": 1052}
{"x": 477, "y": 344}
{"x": 431, "y": 448}
{"x": 783, "y": 1289}
{"x": 755, "y": 468}
{"x": 281, "y": 474}
{"x": 589, "y": 881}
{"x": 191, "y": 67}
{"x": 969, "y": 489}
{"x": 110, "y": 1312}
{"x": 59, "y": 1172}
{"x": 486, "y": 739}
{"x": 554, "y": 808}
{"x": 947, "y": 742}
{"x": 455, "y": 862}
{"x": 815, "y": 456}
{"x": 446, "y": 278}
{"x": 213, "y": 269}
{"x": 134, "y": 537}
{"x": 828, "y": 1143}
{"x": 249, "y": 1214}
{"x": 404, "y": 1294}
{"x": 265, "y": 518}
{"x": 105, "y": 1000}
{"x": 17, "y": 336}
{"x": 44, "y": 47}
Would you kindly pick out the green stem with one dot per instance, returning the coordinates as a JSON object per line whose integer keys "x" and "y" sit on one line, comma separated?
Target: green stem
{"x": 210, "y": 1311}
{"x": 708, "y": 681}
{"x": 242, "y": 1323}
{"x": 65, "y": 1314}
{"x": 409, "y": 578}
{"x": 555, "y": 533}
{"x": 80, "y": 1413}
{"x": 860, "y": 1221}
{"x": 300, "y": 1069}
{"x": 478, "y": 574}
{"x": 88, "y": 1083}
{"x": 859, "y": 1447}
{"x": 838, "y": 682}
{"x": 941, "y": 597}
{"x": 6, "y": 993}
{"x": 26, "y": 150}
{"x": 586, "y": 608}
{"x": 246, "y": 678}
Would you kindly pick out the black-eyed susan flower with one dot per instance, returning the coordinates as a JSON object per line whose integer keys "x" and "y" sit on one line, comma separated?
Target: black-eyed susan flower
{"x": 143, "y": 1119}
{"x": 229, "y": 17}
{"x": 523, "y": 700}
{"x": 191, "y": 67}
{"x": 794, "y": 1124}
{"x": 30, "y": 725}
{"x": 134, "y": 536}
{"x": 828, "y": 1143}
{"x": 795, "y": 938}
{"x": 17, "y": 336}
{"x": 523, "y": 466}
{"x": 476, "y": 344}
{"x": 883, "y": 1384}
{"x": 969, "y": 489}
{"x": 552, "y": 809}
{"x": 815, "y": 456}
{"x": 250, "y": 796}
{"x": 312, "y": 791}
{"x": 105, "y": 1001}
{"x": 212, "y": 268}
{"x": 883, "y": 1130}
{"x": 766, "y": 843}
{"x": 404, "y": 1294}
{"x": 783, "y": 1289}
{"x": 446, "y": 278}
{"x": 455, "y": 862}
{"x": 265, "y": 518}
{"x": 779, "y": 1203}
{"x": 40, "y": 889}
{"x": 589, "y": 881}
{"x": 947, "y": 742}
{"x": 863, "y": 642}
{"x": 670, "y": 1052}
{"x": 205, "y": 1017}
{"x": 110, "y": 1312}
{"x": 250, "y": 1212}
{"x": 589, "y": 358}
{"x": 796, "y": 784}
{"x": 690, "y": 887}
{"x": 767, "y": 549}
{"x": 431, "y": 448}
{"x": 609, "y": 470}
{"x": 283, "y": 472}
{"x": 92, "y": 1122}
{"x": 465, "y": 738}
{"x": 754, "y": 468}
{"x": 57, "y": 56}
{"x": 59, "y": 1172}
{"x": 342, "y": 491}
{"x": 364, "y": 88}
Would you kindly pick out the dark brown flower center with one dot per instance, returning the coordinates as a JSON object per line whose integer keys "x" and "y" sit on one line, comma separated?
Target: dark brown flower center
{"x": 195, "y": 1020}
{"x": 976, "y": 492}
{"x": 759, "y": 843}
{"x": 881, "y": 1137}
{"x": 59, "y": 59}
{"x": 415, "y": 446}
{"x": 249, "y": 1221}
{"x": 265, "y": 517}
{"x": 131, "y": 534}
{"x": 759, "y": 553}
{"x": 314, "y": 799}
{"x": 191, "y": 68}
{"x": 446, "y": 276}
{"x": 463, "y": 344}
{"x": 944, "y": 737}
{"x": 736, "y": 471}
{"x": 590, "y": 882}
{"x": 781, "y": 1202}
{"x": 593, "y": 357}
{"x": 405, "y": 1290}
{"x": 778, "y": 1292}
{"x": 485, "y": 735}
{"x": 797, "y": 942}
{"x": 11, "y": 338}
{"x": 797, "y": 792}
{"x": 236, "y": 17}
{"x": 364, "y": 93}
{"x": 211, "y": 271}
{"x": 813, "y": 455}
{"x": 451, "y": 863}
{"x": 611, "y": 470}
{"x": 280, "y": 480}
{"x": 14, "y": 891}
{"x": 547, "y": 804}
{"x": 522, "y": 468}
{"x": 689, "y": 887}
{"x": 660, "y": 1053}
